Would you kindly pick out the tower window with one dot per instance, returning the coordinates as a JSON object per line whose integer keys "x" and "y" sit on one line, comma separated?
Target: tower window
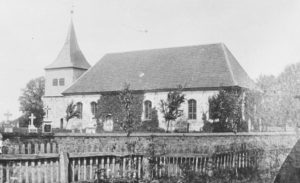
{"x": 148, "y": 107}
{"x": 54, "y": 82}
{"x": 79, "y": 108}
{"x": 61, "y": 81}
{"x": 93, "y": 108}
{"x": 192, "y": 109}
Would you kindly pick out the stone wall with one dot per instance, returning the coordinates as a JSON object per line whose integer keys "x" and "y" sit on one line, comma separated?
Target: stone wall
{"x": 273, "y": 148}
{"x": 175, "y": 142}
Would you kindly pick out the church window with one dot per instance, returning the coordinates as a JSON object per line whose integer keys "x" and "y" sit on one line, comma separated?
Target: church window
{"x": 61, "y": 81}
{"x": 94, "y": 108}
{"x": 192, "y": 109}
{"x": 54, "y": 82}
{"x": 148, "y": 107}
{"x": 79, "y": 108}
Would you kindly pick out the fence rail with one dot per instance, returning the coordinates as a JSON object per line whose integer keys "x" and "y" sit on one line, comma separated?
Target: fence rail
{"x": 76, "y": 167}
{"x": 32, "y": 148}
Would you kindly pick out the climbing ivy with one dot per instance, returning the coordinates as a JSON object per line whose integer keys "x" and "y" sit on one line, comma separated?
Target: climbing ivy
{"x": 111, "y": 104}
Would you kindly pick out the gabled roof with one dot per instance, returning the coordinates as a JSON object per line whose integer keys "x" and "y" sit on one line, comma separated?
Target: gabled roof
{"x": 203, "y": 66}
{"x": 70, "y": 55}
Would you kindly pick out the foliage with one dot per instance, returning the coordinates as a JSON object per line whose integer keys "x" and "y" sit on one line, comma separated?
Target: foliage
{"x": 125, "y": 108}
{"x": 226, "y": 106}
{"x": 207, "y": 126}
{"x": 170, "y": 107}
{"x": 154, "y": 149}
{"x": 31, "y": 101}
{"x": 181, "y": 125}
{"x": 71, "y": 112}
{"x": 151, "y": 125}
{"x": 276, "y": 104}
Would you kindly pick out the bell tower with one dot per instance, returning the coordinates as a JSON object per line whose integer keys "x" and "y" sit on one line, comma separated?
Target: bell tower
{"x": 68, "y": 66}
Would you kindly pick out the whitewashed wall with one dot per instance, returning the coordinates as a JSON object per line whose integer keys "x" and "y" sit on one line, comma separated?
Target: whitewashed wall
{"x": 58, "y": 107}
{"x": 202, "y": 106}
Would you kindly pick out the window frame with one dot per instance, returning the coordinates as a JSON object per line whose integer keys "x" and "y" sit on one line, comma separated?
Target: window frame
{"x": 61, "y": 81}
{"x": 80, "y": 109}
{"x": 192, "y": 109}
{"x": 93, "y": 108}
{"x": 55, "y": 82}
{"x": 147, "y": 110}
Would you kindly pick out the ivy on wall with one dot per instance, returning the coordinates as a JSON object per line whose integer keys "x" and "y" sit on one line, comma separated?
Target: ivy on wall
{"x": 110, "y": 104}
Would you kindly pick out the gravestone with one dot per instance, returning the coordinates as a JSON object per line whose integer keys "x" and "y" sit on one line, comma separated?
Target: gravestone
{"x": 8, "y": 128}
{"x": 31, "y": 127}
{"x": 47, "y": 127}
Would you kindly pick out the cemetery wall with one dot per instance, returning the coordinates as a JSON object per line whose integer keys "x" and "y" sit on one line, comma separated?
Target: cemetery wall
{"x": 174, "y": 142}
{"x": 171, "y": 142}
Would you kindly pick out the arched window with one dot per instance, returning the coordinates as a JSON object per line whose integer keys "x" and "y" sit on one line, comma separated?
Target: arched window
{"x": 192, "y": 110}
{"x": 148, "y": 107}
{"x": 79, "y": 108}
{"x": 93, "y": 108}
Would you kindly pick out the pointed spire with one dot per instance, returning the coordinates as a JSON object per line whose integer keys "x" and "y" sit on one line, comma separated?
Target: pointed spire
{"x": 70, "y": 55}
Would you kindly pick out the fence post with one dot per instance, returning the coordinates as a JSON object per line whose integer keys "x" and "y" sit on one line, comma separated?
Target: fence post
{"x": 64, "y": 164}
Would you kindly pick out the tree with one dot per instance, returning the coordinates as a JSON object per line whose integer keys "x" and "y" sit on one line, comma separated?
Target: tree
{"x": 114, "y": 105}
{"x": 71, "y": 112}
{"x": 31, "y": 101}
{"x": 130, "y": 121}
{"x": 276, "y": 105}
{"x": 170, "y": 107}
{"x": 226, "y": 106}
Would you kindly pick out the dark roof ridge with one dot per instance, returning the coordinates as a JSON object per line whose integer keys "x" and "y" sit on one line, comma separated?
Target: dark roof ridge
{"x": 164, "y": 48}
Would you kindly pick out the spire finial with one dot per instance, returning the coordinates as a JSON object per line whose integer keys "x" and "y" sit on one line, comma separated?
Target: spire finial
{"x": 72, "y": 8}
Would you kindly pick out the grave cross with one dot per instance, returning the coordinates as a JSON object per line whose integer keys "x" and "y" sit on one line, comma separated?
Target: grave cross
{"x": 32, "y": 117}
{"x": 47, "y": 109}
{"x": 7, "y": 114}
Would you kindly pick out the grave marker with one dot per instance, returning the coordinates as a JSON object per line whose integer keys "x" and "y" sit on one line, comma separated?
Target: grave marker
{"x": 31, "y": 127}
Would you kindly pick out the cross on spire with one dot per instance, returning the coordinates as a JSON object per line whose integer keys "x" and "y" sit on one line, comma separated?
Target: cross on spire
{"x": 7, "y": 115}
{"x": 32, "y": 117}
{"x": 72, "y": 8}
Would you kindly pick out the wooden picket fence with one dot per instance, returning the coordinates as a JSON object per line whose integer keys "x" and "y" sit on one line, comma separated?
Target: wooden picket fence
{"x": 44, "y": 163}
{"x": 79, "y": 167}
{"x": 32, "y": 148}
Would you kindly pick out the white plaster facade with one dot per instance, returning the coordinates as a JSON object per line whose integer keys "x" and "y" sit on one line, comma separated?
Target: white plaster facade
{"x": 68, "y": 74}
{"x": 58, "y": 106}
{"x": 202, "y": 106}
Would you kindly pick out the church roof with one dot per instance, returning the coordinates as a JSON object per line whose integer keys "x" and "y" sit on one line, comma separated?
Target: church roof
{"x": 70, "y": 55}
{"x": 195, "y": 67}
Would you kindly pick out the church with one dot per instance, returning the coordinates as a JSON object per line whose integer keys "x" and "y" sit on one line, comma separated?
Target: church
{"x": 201, "y": 69}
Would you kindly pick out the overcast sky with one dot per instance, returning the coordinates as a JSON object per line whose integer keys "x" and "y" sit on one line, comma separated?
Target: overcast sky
{"x": 264, "y": 36}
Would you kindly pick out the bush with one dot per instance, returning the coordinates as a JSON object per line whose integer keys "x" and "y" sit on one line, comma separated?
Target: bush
{"x": 151, "y": 125}
{"x": 207, "y": 127}
{"x": 181, "y": 125}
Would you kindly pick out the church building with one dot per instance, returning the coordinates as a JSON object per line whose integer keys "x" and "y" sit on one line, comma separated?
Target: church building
{"x": 201, "y": 69}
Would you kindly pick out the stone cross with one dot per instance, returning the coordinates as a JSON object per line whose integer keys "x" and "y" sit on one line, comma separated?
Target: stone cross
{"x": 32, "y": 117}
{"x": 8, "y": 114}
{"x": 47, "y": 109}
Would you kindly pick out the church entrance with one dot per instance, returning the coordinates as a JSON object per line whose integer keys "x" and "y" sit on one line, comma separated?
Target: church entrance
{"x": 108, "y": 124}
{"x": 61, "y": 123}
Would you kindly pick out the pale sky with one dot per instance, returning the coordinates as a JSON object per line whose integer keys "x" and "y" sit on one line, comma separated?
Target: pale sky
{"x": 264, "y": 35}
